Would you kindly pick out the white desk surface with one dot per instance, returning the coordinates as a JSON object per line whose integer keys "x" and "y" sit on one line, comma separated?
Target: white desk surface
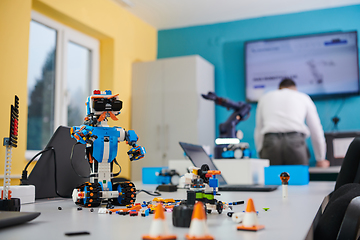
{"x": 286, "y": 219}
{"x": 331, "y": 169}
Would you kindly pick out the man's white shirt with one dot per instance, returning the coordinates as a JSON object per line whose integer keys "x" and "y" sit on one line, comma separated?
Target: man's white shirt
{"x": 286, "y": 110}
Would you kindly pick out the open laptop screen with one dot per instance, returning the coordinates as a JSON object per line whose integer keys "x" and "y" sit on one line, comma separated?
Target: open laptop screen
{"x": 198, "y": 156}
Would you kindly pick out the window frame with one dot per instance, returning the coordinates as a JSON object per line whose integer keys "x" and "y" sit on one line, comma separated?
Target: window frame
{"x": 64, "y": 35}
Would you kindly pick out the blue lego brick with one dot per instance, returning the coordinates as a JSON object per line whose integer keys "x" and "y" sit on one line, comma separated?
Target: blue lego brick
{"x": 213, "y": 182}
{"x": 227, "y": 154}
{"x": 299, "y": 174}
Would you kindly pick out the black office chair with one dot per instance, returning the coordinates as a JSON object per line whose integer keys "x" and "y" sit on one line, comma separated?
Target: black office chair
{"x": 339, "y": 215}
{"x": 350, "y": 168}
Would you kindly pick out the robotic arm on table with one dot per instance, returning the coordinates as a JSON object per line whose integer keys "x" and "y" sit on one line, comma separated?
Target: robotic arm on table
{"x": 228, "y": 128}
{"x": 241, "y": 112}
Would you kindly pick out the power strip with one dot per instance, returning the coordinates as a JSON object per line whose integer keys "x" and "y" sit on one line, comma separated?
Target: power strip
{"x": 26, "y": 193}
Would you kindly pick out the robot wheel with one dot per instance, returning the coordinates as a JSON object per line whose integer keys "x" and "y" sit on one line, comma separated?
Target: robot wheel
{"x": 127, "y": 193}
{"x": 87, "y": 195}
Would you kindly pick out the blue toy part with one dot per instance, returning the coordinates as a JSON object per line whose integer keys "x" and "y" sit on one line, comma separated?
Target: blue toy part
{"x": 119, "y": 189}
{"x": 106, "y": 145}
{"x": 136, "y": 153}
{"x": 246, "y": 153}
{"x": 227, "y": 154}
{"x": 147, "y": 212}
{"x": 108, "y": 92}
{"x": 88, "y": 107}
{"x": 163, "y": 180}
{"x": 83, "y": 134}
{"x": 213, "y": 182}
{"x": 131, "y": 137}
{"x": 86, "y": 195}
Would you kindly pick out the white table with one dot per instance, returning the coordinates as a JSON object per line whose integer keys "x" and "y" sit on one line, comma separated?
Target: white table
{"x": 286, "y": 219}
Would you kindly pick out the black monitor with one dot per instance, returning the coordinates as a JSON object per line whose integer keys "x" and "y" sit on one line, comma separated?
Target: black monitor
{"x": 337, "y": 144}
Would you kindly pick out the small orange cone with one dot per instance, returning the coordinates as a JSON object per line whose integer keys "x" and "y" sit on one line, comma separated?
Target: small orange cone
{"x": 159, "y": 229}
{"x": 250, "y": 221}
{"x": 198, "y": 228}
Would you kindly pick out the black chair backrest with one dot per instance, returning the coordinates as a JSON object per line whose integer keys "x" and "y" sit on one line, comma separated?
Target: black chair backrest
{"x": 333, "y": 222}
{"x": 350, "y": 171}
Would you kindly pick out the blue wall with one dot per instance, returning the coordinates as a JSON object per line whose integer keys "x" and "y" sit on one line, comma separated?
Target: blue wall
{"x": 222, "y": 45}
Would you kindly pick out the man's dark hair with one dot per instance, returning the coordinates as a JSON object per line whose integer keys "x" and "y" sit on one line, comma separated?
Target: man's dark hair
{"x": 287, "y": 82}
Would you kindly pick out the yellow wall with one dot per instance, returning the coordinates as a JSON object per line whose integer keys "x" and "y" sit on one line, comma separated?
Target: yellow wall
{"x": 123, "y": 37}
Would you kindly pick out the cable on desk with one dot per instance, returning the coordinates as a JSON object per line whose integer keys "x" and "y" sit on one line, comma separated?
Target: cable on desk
{"x": 55, "y": 176}
{"x": 24, "y": 172}
{"x": 155, "y": 193}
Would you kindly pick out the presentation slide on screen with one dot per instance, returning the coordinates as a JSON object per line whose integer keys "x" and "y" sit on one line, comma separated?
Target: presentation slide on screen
{"x": 324, "y": 64}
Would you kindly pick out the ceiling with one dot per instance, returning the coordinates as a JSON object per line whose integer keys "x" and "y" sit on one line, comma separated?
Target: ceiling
{"x": 168, "y": 14}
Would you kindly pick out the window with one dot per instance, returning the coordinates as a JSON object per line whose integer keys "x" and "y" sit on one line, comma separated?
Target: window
{"x": 63, "y": 69}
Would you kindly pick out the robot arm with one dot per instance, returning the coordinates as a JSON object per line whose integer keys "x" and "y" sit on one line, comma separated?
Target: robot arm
{"x": 83, "y": 134}
{"x": 136, "y": 152}
{"x": 241, "y": 111}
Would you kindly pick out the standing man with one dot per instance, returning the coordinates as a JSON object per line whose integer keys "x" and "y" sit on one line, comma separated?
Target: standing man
{"x": 280, "y": 130}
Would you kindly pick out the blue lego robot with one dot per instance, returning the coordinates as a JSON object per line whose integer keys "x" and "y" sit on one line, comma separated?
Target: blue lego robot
{"x": 101, "y": 150}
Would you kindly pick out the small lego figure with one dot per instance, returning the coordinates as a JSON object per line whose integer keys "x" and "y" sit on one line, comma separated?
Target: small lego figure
{"x": 204, "y": 183}
{"x": 101, "y": 150}
{"x": 284, "y": 176}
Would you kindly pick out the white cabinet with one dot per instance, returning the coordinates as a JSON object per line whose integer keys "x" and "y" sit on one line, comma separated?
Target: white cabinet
{"x": 167, "y": 107}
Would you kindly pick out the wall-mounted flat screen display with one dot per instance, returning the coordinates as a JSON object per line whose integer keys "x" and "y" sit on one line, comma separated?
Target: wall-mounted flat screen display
{"x": 321, "y": 64}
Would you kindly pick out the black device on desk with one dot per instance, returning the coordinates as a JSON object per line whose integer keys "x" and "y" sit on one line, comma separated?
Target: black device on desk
{"x": 198, "y": 157}
{"x": 54, "y": 174}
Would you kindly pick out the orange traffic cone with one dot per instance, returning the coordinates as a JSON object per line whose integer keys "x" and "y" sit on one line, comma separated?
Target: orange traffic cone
{"x": 198, "y": 229}
{"x": 159, "y": 229}
{"x": 250, "y": 221}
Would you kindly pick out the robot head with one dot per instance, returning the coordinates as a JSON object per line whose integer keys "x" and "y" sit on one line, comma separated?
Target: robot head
{"x": 103, "y": 102}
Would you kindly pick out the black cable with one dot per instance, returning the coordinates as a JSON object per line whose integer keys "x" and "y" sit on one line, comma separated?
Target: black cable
{"x": 24, "y": 173}
{"x": 55, "y": 176}
{"x": 155, "y": 193}
{"x": 118, "y": 173}
{"x": 72, "y": 165}
{"x": 336, "y": 119}
{"x": 31, "y": 160}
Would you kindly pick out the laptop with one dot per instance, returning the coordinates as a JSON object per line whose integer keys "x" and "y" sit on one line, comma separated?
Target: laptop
{"x": 198, "y": 157}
